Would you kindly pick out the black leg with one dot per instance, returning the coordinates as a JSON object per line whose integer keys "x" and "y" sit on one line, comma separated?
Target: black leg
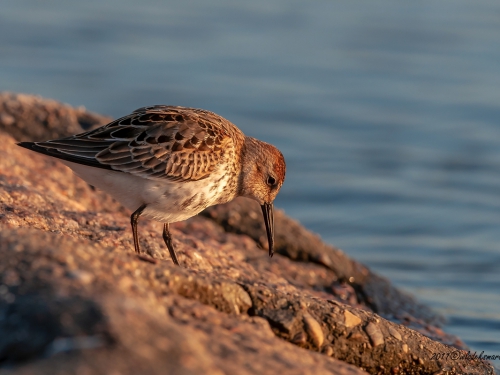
{"x": 168, "y": 241}
{"x": 133, "y": 221}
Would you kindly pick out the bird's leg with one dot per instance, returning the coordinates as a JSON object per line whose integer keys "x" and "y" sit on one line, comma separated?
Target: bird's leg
{"x": 133, "y": 220}
{"x": 167, "y": 237}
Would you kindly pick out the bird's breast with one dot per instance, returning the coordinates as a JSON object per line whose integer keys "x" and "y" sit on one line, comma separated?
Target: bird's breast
{"x": 176, "y": 201}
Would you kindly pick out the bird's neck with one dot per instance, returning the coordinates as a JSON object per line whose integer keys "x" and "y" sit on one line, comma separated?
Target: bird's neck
{"x": 248, "y": 153}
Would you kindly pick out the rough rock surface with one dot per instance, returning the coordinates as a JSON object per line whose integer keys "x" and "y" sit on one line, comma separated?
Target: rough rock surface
{"x": 74, "y": 298}
{"x": 32, "y": 118}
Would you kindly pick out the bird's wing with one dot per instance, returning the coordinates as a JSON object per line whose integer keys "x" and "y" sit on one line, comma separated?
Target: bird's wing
{"x": 176, "y": 143}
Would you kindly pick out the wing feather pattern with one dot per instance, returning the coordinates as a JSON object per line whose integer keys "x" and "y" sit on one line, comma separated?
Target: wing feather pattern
{"x": 176, "y": 143}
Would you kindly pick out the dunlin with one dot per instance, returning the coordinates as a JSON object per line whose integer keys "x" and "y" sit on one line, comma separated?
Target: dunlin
{"x": 169, "y": 163}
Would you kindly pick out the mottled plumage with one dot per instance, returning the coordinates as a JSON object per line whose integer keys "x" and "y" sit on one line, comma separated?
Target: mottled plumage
{"x": 169, "y": 163}
{"x": 176, "y": 143}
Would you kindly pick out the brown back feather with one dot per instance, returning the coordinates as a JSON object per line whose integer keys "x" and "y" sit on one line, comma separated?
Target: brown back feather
{"x": 177, "y": 143}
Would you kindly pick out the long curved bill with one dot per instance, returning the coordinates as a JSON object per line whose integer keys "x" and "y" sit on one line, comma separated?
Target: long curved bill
{"x": 267, "y": 211}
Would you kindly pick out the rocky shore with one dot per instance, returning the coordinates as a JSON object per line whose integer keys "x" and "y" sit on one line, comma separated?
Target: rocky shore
{"x": 76, "y": 299}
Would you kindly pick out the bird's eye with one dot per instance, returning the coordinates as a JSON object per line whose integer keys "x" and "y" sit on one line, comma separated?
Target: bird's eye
{"x": 271, "y": 181}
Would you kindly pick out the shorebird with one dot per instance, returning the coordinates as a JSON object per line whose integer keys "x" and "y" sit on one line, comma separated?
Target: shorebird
{"x": 169, "y": 163}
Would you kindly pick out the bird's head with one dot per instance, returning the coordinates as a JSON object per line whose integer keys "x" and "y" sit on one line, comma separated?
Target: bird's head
{"x": 262, "y": 176}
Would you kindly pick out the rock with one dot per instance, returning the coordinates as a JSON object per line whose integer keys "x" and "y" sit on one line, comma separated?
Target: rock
{"x": 394, "y": 333}
{"x": 52, "y": 119}
{"x": 299, "y": 339}
{"x": 351, "y": 320}
{"x": 75, "y": 298}
{"x": 297, "y": 243}
{"x": 328, "y": 350}
{"x": 83, "y": 276}
{"x": 374, "y": 333}
{"x": 313, "y": 329}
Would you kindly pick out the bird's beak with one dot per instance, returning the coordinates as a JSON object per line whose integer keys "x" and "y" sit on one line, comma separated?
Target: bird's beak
{"x": 267, "y": 211}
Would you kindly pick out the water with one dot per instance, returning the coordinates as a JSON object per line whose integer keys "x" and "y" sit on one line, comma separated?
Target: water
{"x": 387, "y": 113}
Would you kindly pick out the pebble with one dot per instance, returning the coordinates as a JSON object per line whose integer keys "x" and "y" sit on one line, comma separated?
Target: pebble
{"x": 376, "y": 336}
{"x": 7, "y": 119}
{"x": 72, "y": 224}
{"x": 299, "y": 339}
{"x": 395, "y": 333}
{"x": 82, "y": 276}
{"x": 351, "y": 320}
{"x": 325, "y": 260}
{"x": 281, "y": 302}
{"x": 328, "y": 350}
{"x": 356, "y": 336}
{"x": 125, "y": 282}
{"x": 313, "y": 330}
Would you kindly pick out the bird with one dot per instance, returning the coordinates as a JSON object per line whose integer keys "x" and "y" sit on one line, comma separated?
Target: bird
{"x": 169, "y": 163}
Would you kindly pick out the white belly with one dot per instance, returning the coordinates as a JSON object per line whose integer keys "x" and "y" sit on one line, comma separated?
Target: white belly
{"x": 166, "y": 201}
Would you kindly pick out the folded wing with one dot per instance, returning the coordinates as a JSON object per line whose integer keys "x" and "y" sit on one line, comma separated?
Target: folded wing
{"x": 180, "y": 144}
